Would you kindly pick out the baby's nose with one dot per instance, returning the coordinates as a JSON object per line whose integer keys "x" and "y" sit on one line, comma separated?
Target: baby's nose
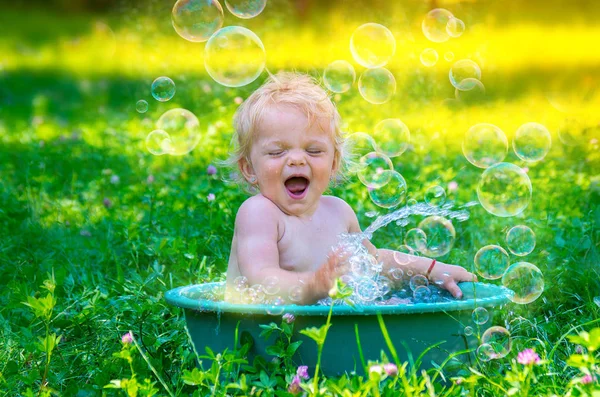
{"x": 296, "y": 158}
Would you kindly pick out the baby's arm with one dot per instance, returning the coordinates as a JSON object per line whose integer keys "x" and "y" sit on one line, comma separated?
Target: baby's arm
{"x": 256, "y": 228}
{"x": 446, "y": 275}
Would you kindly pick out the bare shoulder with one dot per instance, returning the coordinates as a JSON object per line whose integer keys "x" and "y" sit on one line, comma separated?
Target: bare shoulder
{"x": 258, "y": 208}
{"x": 342, "y": 209}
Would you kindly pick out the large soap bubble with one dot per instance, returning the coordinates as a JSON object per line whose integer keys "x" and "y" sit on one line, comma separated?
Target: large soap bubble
{"x": 339, "y": 76}
{"x": 415, "y": 239}
{"x": 440, "y": 236}
{"x": 484, "y": 145}
{"x": 435, "y": 196}
{"x": 360, "y": 144}
{"x": 472, "y": 96}
{"x": 158, "y": 142}
{"x": 480, "y": 315}
{"x": 377, "y": 85}
{"x": 234, "y": 56}
{"x": 491, "y": 261}
{"x": 525, "y": 280}
{"x": 163, "y": 89}
{"x": 392, "y": 137}
{"x": 520, "y": 240}
{"x": 504, "y": 190}
{"x": 371, "y": 169}
{"x": 393, "y": 193}
{"x": 455, "y": 27}
{"x": 499, "y": 342}
{"x": 245, "y": 9}
{"x": 183, "y": 129}
{"x": 372, "y": 45}
{"x": 532, "y": 142}
{"x": 434, "y": 25}
{"x": 197, "y": 20}
{"x": 429, "y": 57}
{"x": 462, "y": 70}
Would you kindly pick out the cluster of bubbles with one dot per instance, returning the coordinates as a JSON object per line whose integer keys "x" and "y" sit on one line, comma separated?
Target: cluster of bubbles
{"x": 504, "y": 189}
{"x": 372, "y": 46}
{"x": 234, "y": 56}
{"x": 177, "y": 133}
{"x": 438, "y": 26}
{"x": 373, "y": 165}
{"x": 523, "y": 278}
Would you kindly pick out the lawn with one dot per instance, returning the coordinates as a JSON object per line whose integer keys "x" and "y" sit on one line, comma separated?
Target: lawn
{"x": 94, "y": 229}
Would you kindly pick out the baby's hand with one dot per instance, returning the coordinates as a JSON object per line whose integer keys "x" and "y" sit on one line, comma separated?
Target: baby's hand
{"x": 335, "y": 266}
{"x": 447, "y": 276}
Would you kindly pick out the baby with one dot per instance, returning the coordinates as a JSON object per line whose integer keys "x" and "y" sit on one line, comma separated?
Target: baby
{"x": 289, "y": 147}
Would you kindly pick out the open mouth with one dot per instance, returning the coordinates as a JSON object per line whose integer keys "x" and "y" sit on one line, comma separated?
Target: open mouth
{"x": 297, "y": 186}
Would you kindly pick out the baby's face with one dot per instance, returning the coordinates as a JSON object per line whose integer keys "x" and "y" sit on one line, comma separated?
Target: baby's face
{"x": 291, "y": 160}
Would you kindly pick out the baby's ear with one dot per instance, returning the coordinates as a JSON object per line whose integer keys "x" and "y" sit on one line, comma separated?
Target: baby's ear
{"x": 247, "y": 170}
{"x": 336, "y": 163}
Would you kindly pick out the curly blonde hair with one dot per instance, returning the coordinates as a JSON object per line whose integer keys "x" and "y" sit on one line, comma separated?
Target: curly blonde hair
{"x": 290, "y": 88}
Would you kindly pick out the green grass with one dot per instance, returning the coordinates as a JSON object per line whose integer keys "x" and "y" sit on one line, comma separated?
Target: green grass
{"x": 68, "y": 125}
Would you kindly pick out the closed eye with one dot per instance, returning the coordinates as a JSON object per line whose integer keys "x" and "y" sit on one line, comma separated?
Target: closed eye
{"x": 314, "y": 151}
{"x": 275, "y": 153}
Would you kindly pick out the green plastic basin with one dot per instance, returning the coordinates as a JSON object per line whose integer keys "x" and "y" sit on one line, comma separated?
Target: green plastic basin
{"x": 412, "y": 328}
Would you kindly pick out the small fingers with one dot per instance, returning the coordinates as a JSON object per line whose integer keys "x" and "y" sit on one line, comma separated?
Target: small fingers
{"x": 453, "y": 288}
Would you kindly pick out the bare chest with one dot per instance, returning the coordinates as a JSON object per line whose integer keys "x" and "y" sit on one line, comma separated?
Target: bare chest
{"x": 305, "y": 245}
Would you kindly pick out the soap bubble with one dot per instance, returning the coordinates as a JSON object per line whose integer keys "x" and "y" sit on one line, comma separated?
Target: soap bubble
{"x": 360, "y": 144}
{"x": 158, "y": 142}
{"x": 396, "y": 273}
{"x": 259, "y": 293}
{"x": 234, "y": 56}
{"x": 245, "y": 9}
{"x": 371, "y": 169}
{"x": 491, "y": 261}
{"x": 468, "y": 330}
{"x": 249, "y": 296}
{"x": 141, "y": 106}
{"x": 393, "y": 137}
{"x": 163, "y": 89}
{"x": 525, "y": 280}
{"x": 429, "y": 57}
{"x": 271, "y": 285}
{"x": 416, "y": 239}
{"x": 532, "y": 142}
{"x": 276, "y": 307}
{"x": 409, "y": 256}
{"x": 455, "y": 27}
{"x": 504, "y": 190}
{"x": 240, "y": 283}
{"x": 295, "y": 293}
{"x": 421, "y": 294}
{"x": 435, "y": 196}
{"x": 385, "y": 285}
{"x": 449, "y": 56}
{"x": 183, "y": 128}
{"x": 472, "y": 96}
{"x": 434, "y": 25}
{"x": 372, "y": 45}
{"x": 520, "y": 240}
{"x": 392, "y": 194}
{"x": 485, "y": 145}
{"x": 485, "y": 352}
{"x": 377, "y": 86}
{"x": 464, "y": 69}
{"x": 366, "y": 289}
{"x": 440, "y": 235}
{"x": 339, "y": 76}
{"x": 480, "y": 315}
{"x": 363, "y": 265}
{"x": 411, "y": 202}
{"x": 197, "y": 20}
{"x": 498, "y": 338}
{"x": 418, "y": 280}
